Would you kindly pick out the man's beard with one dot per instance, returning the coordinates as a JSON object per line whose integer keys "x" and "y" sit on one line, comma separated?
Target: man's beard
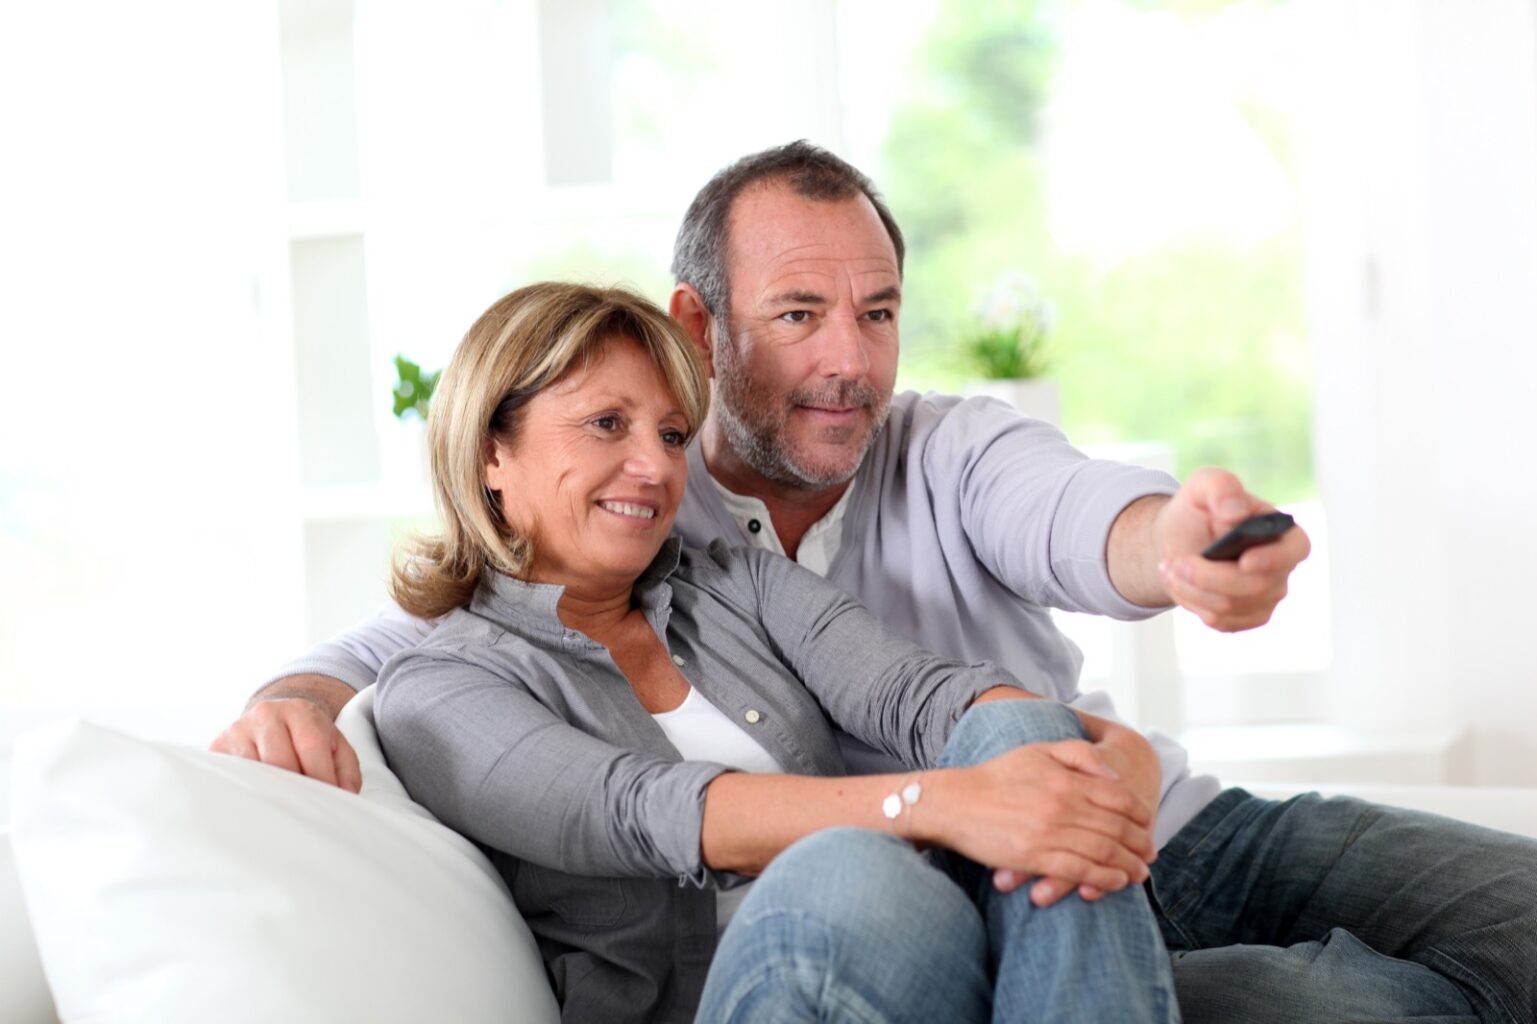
{"x": 754, "y": 425}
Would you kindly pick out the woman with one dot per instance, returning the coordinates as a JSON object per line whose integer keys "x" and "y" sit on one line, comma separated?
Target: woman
{"x": 633, "y": 729}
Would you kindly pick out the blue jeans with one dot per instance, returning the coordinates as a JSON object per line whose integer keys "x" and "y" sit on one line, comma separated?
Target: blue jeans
{"x": 855, "y": 925}
{"x": 1340, "y": 910}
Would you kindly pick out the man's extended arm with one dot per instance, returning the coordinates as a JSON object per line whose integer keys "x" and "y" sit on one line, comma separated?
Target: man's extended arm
{"x": 1155, "y": 544}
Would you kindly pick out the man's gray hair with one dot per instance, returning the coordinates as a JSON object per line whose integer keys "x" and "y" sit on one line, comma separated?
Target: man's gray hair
{"x": 699, "y": 254}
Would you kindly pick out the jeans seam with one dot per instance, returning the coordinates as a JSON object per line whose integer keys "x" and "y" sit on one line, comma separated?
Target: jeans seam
{"x": 1465, "y": 976}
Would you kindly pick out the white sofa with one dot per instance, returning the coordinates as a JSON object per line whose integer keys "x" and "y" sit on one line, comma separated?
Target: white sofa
{"x": 151, "y": 882}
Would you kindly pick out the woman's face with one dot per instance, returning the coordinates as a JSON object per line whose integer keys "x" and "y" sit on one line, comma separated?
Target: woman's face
{"x": 597, "y": 471}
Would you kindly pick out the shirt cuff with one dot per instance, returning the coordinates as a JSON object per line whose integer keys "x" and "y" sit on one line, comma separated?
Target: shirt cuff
{"x": 1098, "y": 495}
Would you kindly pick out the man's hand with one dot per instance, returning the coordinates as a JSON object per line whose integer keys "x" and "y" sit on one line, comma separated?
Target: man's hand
{"x": 1155, "y": 554}
{"x": 292, "y": 724}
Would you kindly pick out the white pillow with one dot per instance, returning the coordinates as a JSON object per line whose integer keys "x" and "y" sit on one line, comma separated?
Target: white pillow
{"x": 170, "y": 884}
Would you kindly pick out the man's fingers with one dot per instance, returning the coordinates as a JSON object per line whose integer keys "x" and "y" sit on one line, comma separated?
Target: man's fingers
{"x": 1224, "y": 578}
{"x": 296, "y": 735}
{"x": 274, "y": 746}
{"x": 1282, "y": 556}
{"x": 1223, "y": 595}
{"x": 349, "y": 774}
{"x": 236, "y": 742}
{"x": 1223, "y": 495}
{"x": 316, "y": 752}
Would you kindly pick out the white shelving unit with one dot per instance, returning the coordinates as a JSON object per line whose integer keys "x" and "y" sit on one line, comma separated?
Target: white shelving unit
{"x": 356, "y": 488}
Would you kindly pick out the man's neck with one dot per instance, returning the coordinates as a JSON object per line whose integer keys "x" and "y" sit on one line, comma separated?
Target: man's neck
{"x": 793, "y": 510}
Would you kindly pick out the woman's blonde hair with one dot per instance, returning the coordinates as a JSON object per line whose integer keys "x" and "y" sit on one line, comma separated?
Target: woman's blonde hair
{"x": 525, "y": 342}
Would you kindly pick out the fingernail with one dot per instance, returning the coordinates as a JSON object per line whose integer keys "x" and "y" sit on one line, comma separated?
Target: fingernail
{"x": 1232, "y": 507}
{"x": 1163, "y": 567}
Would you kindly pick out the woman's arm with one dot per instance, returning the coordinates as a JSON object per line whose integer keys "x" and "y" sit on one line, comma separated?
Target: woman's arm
{"x": 494, "y": 763}
{"x": 1048, "y": 809}
{"x": 1124, "y": 750}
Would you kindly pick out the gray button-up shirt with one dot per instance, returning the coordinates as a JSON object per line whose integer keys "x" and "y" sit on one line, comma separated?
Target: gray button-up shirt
{"x": 525, "y": 736}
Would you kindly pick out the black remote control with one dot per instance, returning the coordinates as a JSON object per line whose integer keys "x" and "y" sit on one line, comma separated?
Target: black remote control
{"x": 1251, "y": 533}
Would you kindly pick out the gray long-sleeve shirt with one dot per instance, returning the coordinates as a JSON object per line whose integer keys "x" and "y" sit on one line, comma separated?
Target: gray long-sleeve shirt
{"x": 966, "y": 523}
{"x": 525, "y": 736}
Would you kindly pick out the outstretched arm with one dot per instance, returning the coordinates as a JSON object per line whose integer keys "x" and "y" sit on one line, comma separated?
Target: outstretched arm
{"x": 1154, "y": 554}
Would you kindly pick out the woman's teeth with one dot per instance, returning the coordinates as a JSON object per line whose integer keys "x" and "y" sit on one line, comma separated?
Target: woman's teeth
{"x": 626, "y": 509}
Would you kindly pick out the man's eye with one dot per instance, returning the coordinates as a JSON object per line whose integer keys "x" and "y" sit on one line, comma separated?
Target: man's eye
{"x": 879, "y": 315}
{"x": 796, "y": 316}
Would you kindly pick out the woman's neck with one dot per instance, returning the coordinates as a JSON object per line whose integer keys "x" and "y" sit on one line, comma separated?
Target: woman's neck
{"x": 594, "y": 612}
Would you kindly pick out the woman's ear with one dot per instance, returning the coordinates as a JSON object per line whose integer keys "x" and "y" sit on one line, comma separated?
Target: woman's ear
{"x": 495, "y": 464}
{"x": 688, "y": 308}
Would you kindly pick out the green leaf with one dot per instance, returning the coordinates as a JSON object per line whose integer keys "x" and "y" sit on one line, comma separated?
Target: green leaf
{"x": 413, "y": 388}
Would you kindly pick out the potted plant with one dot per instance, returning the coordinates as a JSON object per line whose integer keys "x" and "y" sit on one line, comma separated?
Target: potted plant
{"x": 1008, "y": 350}
{"x": 412, "y": 395}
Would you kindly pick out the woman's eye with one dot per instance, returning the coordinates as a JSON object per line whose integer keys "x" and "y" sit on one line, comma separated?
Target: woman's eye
{"x": 606, "y": 422}
{"x": 674, "y": 438}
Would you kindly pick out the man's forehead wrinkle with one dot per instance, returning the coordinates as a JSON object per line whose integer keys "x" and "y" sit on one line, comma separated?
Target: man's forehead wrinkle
{"x": 797, "y": 295}
{"x": 780, "y": 279}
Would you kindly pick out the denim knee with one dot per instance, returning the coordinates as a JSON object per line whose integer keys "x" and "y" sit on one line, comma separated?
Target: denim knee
{"x": 866, "y": 882}
{"x": 995, "y": 728}
{"x": 851, "y": 924}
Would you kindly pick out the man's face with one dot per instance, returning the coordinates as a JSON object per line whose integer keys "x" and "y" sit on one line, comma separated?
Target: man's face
{"x": 805, "y": 364}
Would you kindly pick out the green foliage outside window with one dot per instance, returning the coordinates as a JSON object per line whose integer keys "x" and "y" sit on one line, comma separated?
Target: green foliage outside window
{"x": 1199, "y": 342}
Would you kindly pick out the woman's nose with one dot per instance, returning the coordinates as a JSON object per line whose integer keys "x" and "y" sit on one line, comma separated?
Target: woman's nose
{"x": 648, "y": 461}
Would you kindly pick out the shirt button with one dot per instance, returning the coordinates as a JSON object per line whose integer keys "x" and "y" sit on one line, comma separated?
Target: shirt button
{"x": 753, "y": 526}
{"x": 677, "y": 659}
{"x": 753, "y": 716}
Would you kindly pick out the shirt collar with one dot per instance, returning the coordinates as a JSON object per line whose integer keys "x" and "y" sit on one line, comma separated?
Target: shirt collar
{"x": 526, "y": 606}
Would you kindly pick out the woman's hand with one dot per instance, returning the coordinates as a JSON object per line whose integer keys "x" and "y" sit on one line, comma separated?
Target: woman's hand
{"x": 1053, "y": 810}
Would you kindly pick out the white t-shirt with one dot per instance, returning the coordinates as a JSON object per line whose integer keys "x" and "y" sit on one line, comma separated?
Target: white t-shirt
{"x": 702, "y": 732}
{"x": 817, "y": 548}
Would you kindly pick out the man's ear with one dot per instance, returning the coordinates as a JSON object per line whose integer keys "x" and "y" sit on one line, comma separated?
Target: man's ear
{"x": 687, "y": 307}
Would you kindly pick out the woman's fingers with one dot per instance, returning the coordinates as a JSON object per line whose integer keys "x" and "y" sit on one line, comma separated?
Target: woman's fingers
{"x": 1036, "y": 813}
{"x": 1103, "y": 788}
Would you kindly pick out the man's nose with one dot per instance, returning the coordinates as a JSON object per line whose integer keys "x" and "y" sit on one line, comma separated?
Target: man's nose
{"x": 843, "y": 351}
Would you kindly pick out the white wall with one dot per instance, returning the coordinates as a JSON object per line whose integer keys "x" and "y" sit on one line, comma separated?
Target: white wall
{"x": 147, "y": 472}
{"x": 1421, "y": 166}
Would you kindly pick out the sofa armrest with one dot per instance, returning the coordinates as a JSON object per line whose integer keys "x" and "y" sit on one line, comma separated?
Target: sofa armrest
{"x": 1508, "y": 808}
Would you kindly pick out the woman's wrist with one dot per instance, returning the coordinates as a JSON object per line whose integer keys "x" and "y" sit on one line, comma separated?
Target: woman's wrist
{"x": 927, "y": 818}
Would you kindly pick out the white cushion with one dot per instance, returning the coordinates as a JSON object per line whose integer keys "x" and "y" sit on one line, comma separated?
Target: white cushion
{"x": 170, "y": 884}
{"x": 24, "y": 997}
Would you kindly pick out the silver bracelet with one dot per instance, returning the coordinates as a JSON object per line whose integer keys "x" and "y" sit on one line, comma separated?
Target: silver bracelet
{"x": 901, "y": 803}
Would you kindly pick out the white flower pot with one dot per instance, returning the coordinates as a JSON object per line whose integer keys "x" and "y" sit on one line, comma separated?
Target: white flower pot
{"x": 1037, "y": 397}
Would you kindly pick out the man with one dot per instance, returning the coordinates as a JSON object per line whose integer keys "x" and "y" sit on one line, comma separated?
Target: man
{"x": 959, "y": 522}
